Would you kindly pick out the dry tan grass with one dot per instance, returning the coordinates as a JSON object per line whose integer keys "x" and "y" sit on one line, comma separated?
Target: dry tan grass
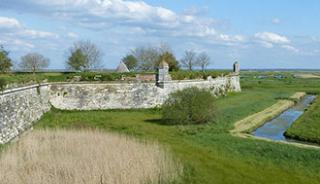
{"x": 88, "y": 157}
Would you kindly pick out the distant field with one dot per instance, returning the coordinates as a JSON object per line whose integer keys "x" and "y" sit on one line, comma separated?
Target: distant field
{"x": 307, "y": 128}
{"x": 307, "y": 75}
{"x": 85, "y": 156}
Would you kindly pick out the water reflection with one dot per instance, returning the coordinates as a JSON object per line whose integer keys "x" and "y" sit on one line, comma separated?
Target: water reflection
{"x": 275, "y": 128}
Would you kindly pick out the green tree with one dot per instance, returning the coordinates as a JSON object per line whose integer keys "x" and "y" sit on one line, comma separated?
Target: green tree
{"x": 170, "y": 59}
{"x": 130, "y": 61}
{"x": 77, "y": 60}
{"x": 5, "y": 61}
{"x": 189, "y": 106}
{"x": 88, "y": 56}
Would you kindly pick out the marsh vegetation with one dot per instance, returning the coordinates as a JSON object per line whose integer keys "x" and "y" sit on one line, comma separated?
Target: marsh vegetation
{"x": 85, "y": 156}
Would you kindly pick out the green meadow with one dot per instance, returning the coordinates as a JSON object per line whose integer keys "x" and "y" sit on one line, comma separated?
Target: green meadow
{"x": 208, "y": 152}
{"x": 307, "y": 128}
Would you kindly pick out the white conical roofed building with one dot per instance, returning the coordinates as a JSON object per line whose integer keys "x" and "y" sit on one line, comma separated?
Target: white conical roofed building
{"x": 122, "y": 68}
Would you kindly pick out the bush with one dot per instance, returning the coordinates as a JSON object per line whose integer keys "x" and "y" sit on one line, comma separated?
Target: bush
{"x": 3, "y": 84}
{"x": 189, "y": 106}
{"x": 190, "y": 75}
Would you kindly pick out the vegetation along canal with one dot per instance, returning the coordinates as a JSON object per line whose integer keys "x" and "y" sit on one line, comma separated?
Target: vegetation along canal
{"x": 276, "y": 128}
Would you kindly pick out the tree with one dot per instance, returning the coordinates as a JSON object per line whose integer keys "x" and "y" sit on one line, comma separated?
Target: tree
{"x": 189, "y": 106}
{"x": 5, "y": 61}
{"x": 77, "y": 60}
{"x": 34, "y": 62}
{"x": 91, "y": 53}
{"x": 189, "y": 59}
{"x": 170, "y": 59}
{"x": 203, "y": 60}
{"x": 147, "y": 58}
{"x": 130, "y": 61}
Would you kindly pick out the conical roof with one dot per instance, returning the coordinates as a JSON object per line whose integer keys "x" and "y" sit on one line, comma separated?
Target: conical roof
{"x": 122, "y": 68}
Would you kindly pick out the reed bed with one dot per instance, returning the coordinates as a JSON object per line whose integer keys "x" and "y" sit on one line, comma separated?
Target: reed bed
{"x": 85, "y": 157}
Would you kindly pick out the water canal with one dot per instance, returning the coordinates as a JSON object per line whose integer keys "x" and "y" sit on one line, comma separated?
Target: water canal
{"x": 276, "y": 128}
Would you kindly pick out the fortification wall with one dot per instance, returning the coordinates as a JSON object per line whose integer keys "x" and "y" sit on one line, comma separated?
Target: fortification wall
{"x": 20, "y": 107}
{"x": 88, "y": 96}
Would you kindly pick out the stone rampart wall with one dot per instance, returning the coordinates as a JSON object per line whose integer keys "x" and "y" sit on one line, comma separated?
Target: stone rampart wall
{"x": 21, "y": 107}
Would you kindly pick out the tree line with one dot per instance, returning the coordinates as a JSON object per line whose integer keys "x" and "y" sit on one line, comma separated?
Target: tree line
{"x": 86, "y": 56}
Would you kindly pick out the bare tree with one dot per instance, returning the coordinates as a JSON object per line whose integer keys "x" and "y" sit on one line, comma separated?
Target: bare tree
{"x": 93, "y": 55}
{"x": 203, "y": 60}
{"x": 34, "y": 62}
{"x": 147, "y": 57}
{"x": 189, "y": 59}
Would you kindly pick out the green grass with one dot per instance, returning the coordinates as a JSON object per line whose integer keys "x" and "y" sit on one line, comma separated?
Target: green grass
{"x": 307, "y": 128}
{"x": 208, "y": 152}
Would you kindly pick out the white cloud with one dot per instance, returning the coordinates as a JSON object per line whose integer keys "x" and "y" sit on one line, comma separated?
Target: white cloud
{"x": 36, "y": 34}
{"x": 105, "y": 14}
{"x": 290, "y": 48}
{"x": 230, "y": 38}
{"x": 266, "y": 44}
{"x": 276, "y": 21}
{"x": 72, "y": 35}
{"x": 15, "y": 35}
{"x": 6, "y": 22}
{"x": 22, "y": 43}
{"x": 12, "y": 27}
{"x": 272, "y": 38}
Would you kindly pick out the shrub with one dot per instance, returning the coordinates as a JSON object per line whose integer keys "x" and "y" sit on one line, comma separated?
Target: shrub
{"x": 189, "y": 106}
{"x": 189, "y": 75}
{"x": 3, "y": 84}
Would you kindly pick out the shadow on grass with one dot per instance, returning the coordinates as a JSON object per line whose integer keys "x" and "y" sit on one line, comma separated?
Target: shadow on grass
{"x": 160, "y": 121}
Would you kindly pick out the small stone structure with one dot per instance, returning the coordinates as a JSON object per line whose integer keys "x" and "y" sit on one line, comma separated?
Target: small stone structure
{"x": 20, "y": 107}
{"x": 236, "y": 67}
{"x": 122, "y": 68}
{"x": 163, "y": 74}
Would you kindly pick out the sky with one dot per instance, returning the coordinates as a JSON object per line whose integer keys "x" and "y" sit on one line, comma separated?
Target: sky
{"x": 257, "y": 33}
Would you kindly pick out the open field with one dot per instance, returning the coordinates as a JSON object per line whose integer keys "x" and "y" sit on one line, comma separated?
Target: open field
{"x": 209, "y": 153}
{"x": 307, "y": 128}
{"x": 85, "y": 156}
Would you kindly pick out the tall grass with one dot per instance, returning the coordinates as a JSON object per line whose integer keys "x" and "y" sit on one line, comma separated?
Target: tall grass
{"x": 85, "y": 156}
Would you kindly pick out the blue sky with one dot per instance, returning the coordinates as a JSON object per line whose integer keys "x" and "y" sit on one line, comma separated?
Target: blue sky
{"x": 257, "y": 33}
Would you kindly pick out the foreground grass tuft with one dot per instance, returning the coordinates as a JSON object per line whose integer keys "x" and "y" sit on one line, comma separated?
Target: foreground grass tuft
{"x": 85, "y": 156}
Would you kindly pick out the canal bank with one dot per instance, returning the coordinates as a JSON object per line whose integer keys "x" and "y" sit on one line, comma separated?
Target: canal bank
{"x": 271, "y": 123}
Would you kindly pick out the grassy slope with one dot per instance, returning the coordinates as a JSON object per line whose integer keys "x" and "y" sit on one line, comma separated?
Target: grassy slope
{"x": 210, "y": 153}
{"x": 307, "y": 128}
